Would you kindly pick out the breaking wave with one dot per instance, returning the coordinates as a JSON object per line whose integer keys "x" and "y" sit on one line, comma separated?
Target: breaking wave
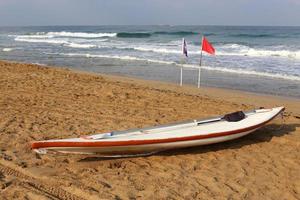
{"x": 246, "y": 35}
{"x": 7, "y": 49}
{"x": 157, "y": 50}
{"x": 246, "y": 72}
{"x": 222, "y": 50}
{"x": 56, "y": 41}
{"x": 37, "y": 36}
{"x": 220, "y": 69}
{"x": 255, "y": 73}
{"x": 133, "y": 35}
{"x": 83, "y": 46}
{"x": 130, "y": 58}
{"x": 45, "y": 35}
{"x": 40, "y": 40}
{"x": 180, "y": 33}
{"x": 149, "y": 34}
{"x": 227, "y": 50}
{"x": 243, "y": 50}
{"x": 40, "y": 35}
{"x": 80, "y": 34}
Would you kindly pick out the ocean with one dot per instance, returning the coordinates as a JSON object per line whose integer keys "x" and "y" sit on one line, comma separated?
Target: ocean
{"x": 255, "y": 59}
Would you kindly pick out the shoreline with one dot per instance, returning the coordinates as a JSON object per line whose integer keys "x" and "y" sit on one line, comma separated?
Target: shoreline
{"x": 188, "y": 85}
{"x": 44, "y": 102}
{"x": 258, "y": 60}
{"x": 232, "y": 94}
{"x": 170, "y": 74}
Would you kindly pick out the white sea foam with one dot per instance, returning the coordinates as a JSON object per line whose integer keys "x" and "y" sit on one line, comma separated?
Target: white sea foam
{"x": 56, "y": 41}
{"x": 34, "y": 36}
{"x": 7, "y": 49}
{"x": 80, "y": 34}
{"x": 242, "y": 50}
{"x": 220, "y": 69}
{"x": 262, "y": 53}
{"x": 222, "y": 50}
{"x": 157, "y": 50}
{"x": 256, "y": 73}
{"x": 277, "y": 53}
{"x": 246, "y": 72}
{"x": 56, "y": 37}
{"x": 233, "y": 46}
{"x": 50, "y": 41}
{"x": 226, "y": 50}
{"x": 83, "y": 46}
{"x": 163, "y": 50}
{"x": 37, "y": 63}
{"x": 132, "y": 58}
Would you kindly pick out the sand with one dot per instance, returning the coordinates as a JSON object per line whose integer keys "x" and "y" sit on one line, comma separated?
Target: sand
{"x": 39, "y": 102}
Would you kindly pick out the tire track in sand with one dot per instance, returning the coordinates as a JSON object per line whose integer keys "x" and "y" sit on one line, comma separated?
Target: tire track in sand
{"x": 28, "y": 181}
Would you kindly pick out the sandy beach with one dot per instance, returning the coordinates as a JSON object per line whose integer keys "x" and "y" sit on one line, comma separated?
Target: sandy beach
{"x": 40, "y": 102}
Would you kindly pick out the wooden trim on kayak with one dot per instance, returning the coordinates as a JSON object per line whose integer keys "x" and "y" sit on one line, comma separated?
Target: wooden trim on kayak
{"x": 45, "y": 144}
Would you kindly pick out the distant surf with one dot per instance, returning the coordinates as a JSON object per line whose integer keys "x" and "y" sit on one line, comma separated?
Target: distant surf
{"x": 223, "y": 50}
{"x": 103, "y": 34}
{"x": 263, "y": 52}
{"x": 180, "y": 33}
{"x": 252, "y": 35}
{"x": 132, "y": 58}
{"x": 211, "y": 68}
{"x": 7, "y": 49}
{"x": 133, "y": 35}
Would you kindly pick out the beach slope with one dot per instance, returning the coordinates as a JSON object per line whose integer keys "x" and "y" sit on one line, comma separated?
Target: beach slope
{"x": 39, "y": 102}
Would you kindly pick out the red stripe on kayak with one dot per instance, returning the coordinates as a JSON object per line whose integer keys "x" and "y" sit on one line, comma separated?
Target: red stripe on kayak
{"x": 45, "y": 144}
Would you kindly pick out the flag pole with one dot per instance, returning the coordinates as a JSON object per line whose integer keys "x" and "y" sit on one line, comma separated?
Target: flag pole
{"x": 182, "y": 60}
{"x": 181, "y": 63}
{"x": 181, "y": 75}
{"x": 199, "y": 72}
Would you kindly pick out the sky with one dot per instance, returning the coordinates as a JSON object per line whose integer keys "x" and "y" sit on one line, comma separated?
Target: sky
{"x": 149, "y": 12}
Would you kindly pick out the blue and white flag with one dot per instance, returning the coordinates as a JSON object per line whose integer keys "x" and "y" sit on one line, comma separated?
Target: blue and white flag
{"x": 184, "y": 48}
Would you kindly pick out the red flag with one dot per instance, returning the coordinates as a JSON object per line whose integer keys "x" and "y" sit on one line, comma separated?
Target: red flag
{"x": 206, "y": 46}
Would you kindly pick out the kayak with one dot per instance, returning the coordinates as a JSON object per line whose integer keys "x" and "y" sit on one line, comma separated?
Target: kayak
{"x": 150, "y": 140}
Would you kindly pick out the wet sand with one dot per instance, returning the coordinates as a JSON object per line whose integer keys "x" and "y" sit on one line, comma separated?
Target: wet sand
{"x": 39, "y": 102}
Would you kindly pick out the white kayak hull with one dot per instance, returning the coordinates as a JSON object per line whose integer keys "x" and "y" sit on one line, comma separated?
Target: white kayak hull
{"x": 156, "y": 139}
{"x": 145, "y": 149}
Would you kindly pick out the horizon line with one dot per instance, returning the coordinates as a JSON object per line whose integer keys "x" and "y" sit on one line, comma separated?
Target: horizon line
{"x": 10, "y": 26}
